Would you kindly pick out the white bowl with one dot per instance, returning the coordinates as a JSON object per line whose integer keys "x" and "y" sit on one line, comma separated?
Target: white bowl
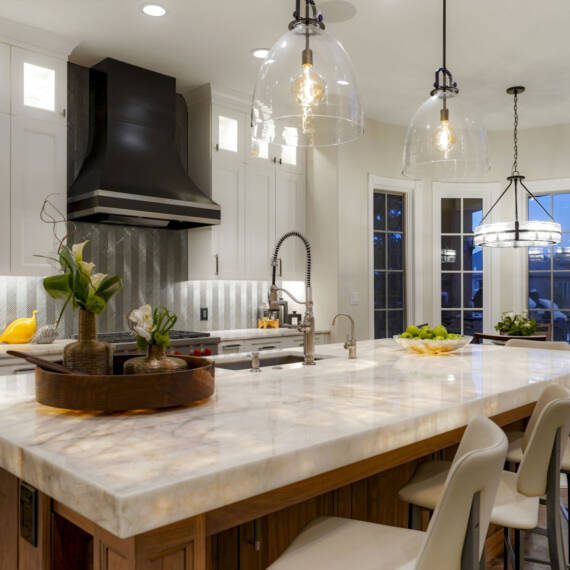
{"x": 433, "y": 347}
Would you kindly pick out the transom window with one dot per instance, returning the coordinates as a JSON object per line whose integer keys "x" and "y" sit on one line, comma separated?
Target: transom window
{"x": 389, "y": 264}
{"x": 461, "y": 266}
{"x": 549, "y": 268}
{"x": 39, "y": 87}
{"x": 227, "y": 134}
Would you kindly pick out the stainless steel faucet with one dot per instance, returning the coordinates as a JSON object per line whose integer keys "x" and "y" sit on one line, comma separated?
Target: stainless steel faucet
{"x": 255, "y": 362}
{"x": 307, "y": 326}
{"x": 350, "y": 343}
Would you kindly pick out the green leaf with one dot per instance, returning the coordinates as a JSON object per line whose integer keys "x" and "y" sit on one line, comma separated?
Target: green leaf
{"x": 95, "y": 304}
{"x": 80, "y": 287}
{"x": 109, "y": 287}
{"x": 58, "y": 286}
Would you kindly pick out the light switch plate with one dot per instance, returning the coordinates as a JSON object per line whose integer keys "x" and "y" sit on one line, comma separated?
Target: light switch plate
{"x": 204, "y": 313}
{"x": 354, "y": 298}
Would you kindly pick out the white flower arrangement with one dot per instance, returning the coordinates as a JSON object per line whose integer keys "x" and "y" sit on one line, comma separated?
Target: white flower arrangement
{"x": 151, "y": 327}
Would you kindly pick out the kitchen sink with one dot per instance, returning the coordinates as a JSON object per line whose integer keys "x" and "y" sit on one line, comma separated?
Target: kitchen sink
{"x": 264, "y": 362}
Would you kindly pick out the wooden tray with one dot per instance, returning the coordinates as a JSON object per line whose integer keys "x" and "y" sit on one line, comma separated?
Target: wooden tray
{"x": 122, "y": 392}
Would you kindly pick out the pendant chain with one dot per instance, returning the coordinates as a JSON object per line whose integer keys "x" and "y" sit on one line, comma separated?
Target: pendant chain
{"x": 515, "y": 169}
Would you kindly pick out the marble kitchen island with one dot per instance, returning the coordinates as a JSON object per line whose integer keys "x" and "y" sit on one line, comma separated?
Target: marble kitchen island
{"x": 230, "y": 483}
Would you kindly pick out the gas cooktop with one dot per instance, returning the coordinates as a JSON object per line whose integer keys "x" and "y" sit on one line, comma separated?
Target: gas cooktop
{"x": 117, "y": 337}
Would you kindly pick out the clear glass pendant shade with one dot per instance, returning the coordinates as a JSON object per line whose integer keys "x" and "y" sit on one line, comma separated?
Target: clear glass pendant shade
{"x": 445, "y": 146}
{"x": 300, "y": 103}
{"x": 530, "y": 233}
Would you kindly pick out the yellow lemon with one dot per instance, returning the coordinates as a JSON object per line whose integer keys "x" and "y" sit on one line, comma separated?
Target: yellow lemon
{"x": 20, "y": 331}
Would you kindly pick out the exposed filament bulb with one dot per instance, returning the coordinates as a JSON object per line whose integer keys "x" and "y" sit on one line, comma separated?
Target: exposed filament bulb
{"x": 444, "y": 136}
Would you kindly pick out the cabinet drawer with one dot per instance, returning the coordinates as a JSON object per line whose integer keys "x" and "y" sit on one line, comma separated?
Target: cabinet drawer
{"x": 231, "y": 347}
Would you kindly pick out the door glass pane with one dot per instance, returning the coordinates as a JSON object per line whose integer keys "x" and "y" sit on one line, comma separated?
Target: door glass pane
{"x": 39, "y": 87}
{"x": 451, "y": 290}
{"x": 450, "y": 253}
{"x": 395, "y": 212}
{"x": 289, "y": 155}
{"x": 472, "y": 255}
{"x": 561, "y": 253}
{"x": 539, "y": 290}
{"x": 473, "y": 290}
{"x": 539, "y": 258}
{"x": 451, "y": 320}
{"x": 562, "y": 210}
{"x": 450, "y": 215}
{"x": 535, "y": 212}
{"x": 395, "y": 251}
{"x": 395, "y": 323}
{"x": 395, "y": 290}
{"x": 379, "y": 211}
{"x": 561, "y": 291}
{"x": 379, "y": 324}
{"x": 379, "y": 251}
{"x": 472, "y": 214}
{"x": 228, "y": 133}
{"x": 472, "y": 322}
{"x": 561, "y": 328}
{"x": 379, "y": 290}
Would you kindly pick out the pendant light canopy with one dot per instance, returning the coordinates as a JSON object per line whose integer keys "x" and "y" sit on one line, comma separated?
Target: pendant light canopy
{"x": 306, "y": 92}
{"x": 517, "y": 233}
{"x": 446, "y": 139}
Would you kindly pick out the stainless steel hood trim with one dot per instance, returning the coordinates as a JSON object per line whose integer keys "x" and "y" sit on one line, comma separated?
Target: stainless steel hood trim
{"x": 139, "y": 214}
{"x": 140, "y": 198}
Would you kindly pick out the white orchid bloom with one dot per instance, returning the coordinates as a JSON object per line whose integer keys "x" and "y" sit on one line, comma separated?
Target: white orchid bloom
{"x": 97, "y": 279}
{"x": 141, "y": 319}
{"x": 86, "y": 267}
{"x": 142, "y": 332}
{"x": 77, "y": 250}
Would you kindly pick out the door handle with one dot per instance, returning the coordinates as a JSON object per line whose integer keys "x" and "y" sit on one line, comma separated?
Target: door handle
{"x": 217, "y": 258}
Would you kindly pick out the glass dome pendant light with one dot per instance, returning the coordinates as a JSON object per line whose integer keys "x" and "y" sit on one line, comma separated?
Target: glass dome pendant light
{"x": 306, "y": 93}
{"x": 517, "y": 233}
{"x": 446, "y": 139}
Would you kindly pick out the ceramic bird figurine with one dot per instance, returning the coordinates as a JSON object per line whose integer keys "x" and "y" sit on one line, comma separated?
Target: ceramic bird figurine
{"x": 45, "y": 335}
{"x": 20, "y": 331}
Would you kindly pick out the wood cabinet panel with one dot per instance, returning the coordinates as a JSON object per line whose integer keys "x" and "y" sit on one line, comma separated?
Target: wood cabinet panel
{"x": 8, "y": 521}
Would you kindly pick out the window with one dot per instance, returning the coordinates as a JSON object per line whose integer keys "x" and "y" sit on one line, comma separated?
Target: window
{"x": 549, "y": 268}
{"x": 39, "y": 87}
{"x": 289, "y": 155}
{"x": 461, "y": 266}
{"x": 389, "y": 264}
{"x": 227, "y": 133}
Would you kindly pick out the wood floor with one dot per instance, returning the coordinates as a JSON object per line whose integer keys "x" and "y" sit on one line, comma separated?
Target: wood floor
{"x": 535, "y": 545}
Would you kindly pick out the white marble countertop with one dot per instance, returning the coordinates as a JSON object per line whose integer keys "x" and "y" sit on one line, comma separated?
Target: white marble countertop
{"x": 54, "y": 349}
{"x": 248, "y": 334}
{"x": 133, "y": 473}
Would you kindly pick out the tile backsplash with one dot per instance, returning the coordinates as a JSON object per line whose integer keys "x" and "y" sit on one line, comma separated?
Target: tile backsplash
{"x": 153, "y": 264}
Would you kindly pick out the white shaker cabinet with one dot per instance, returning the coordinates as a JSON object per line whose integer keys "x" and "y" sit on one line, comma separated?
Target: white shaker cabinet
{"x": 5, "y": 73}
{"x": 39, "y": 154}
{"x": 4, "y": 194}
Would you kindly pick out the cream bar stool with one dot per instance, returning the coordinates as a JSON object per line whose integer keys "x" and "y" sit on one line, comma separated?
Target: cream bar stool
{"x": 456, "y": 534}
{"x": 544, "y": 345}
{"x": 518, "y": 496}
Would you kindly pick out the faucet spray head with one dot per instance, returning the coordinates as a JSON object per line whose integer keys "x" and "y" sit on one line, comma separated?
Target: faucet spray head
{"x": 273, "y": 298}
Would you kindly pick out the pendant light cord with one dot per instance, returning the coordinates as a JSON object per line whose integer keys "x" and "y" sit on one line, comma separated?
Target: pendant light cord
{"x": 444, "y": 34}
{"x": 515, "y": 169}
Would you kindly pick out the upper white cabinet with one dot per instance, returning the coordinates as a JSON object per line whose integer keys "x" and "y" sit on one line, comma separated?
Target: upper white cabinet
{"x": 38, "y": 172}
{"x": 39, "y": 86}
{"x": 5, "y": 73}
{"x": 33, "y": 156}
{"x": 261, "y": 191}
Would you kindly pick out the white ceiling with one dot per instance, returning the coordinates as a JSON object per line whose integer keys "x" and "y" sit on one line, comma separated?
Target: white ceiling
{"x": 395, "y": 46}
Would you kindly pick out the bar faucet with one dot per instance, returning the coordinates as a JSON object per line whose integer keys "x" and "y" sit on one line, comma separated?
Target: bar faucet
{"x": 307, "y": 326}
{"x": 350, "y": 343}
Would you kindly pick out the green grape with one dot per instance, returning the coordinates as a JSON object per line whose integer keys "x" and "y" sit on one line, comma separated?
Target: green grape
{"x": 413, "y": 331}
{"x": 440, "y": 330}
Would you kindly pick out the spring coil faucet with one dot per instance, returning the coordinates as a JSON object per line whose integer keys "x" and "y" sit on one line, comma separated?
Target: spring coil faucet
{"x": 307, "y": 326}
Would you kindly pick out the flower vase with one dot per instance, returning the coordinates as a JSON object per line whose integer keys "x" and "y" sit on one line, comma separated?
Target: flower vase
{"x": 154, "y": 362}
{"x": 88, "y": 355}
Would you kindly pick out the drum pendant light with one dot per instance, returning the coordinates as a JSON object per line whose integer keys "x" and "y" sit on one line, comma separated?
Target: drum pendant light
{"x": 446, "y": 139}
{"x": 517, "y": 233}
{"x": 306, "y": 92}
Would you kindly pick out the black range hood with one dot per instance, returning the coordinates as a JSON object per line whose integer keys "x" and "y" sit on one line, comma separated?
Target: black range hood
{"x": 132, "y": 174}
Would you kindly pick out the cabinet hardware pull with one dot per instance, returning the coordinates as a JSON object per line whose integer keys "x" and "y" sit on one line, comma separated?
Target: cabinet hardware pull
{"x": 218, "y": 146}
{"x": 64, "y": 112}
{"x": 280, "y": 161}
{"x": 274, "y": 160}
{"x": 217, "y": 258}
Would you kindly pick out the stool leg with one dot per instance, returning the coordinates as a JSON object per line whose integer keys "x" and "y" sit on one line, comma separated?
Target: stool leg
{"x": 414, "y": 517}
{"x": 506, "y": 542}
{"x": 553, "y": 518}
{"x": 519, "y": 550}
{"x": 568, "y": 510}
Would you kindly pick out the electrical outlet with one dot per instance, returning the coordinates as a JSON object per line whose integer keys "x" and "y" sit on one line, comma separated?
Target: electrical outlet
{"x": 354, "y": 298}
{"x": 204, "y": 313}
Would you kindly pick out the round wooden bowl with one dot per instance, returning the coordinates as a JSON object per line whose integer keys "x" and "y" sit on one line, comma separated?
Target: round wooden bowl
{"x": 123, "y": 392}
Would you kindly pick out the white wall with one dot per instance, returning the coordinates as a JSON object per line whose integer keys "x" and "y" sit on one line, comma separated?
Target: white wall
{"x": 338, "y": 215}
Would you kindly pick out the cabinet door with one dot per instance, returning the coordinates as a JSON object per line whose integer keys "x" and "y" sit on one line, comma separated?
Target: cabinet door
{"x": 4, "y": 194}
{"x": 38, "y": 171}
{"x": 229, "y": 131}
{"x": 290, "y": 214}
{"x": 4, "y": 78}
{"x": 228, "y": 190}
{"x": 259, "y": 223}
{"x": 39, "y": 86}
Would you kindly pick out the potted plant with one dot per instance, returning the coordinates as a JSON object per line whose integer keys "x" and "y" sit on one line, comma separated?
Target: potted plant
{"x": 77, "y": 285}
{"x": 151, "y": 329}
{"x": 513, "y": 324}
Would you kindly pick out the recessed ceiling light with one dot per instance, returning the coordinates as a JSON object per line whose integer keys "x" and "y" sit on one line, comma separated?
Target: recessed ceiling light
{"x": 155, "y": 10}
{"x": 343, "y": 82}
{"x": 260, "y": 53}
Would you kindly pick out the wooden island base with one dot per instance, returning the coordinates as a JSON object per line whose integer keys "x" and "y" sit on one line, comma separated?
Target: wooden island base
{"x": 248, "y": 535}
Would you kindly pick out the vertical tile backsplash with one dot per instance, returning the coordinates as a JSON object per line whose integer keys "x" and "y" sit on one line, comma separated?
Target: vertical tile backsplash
{"x": 154, "y": 266}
